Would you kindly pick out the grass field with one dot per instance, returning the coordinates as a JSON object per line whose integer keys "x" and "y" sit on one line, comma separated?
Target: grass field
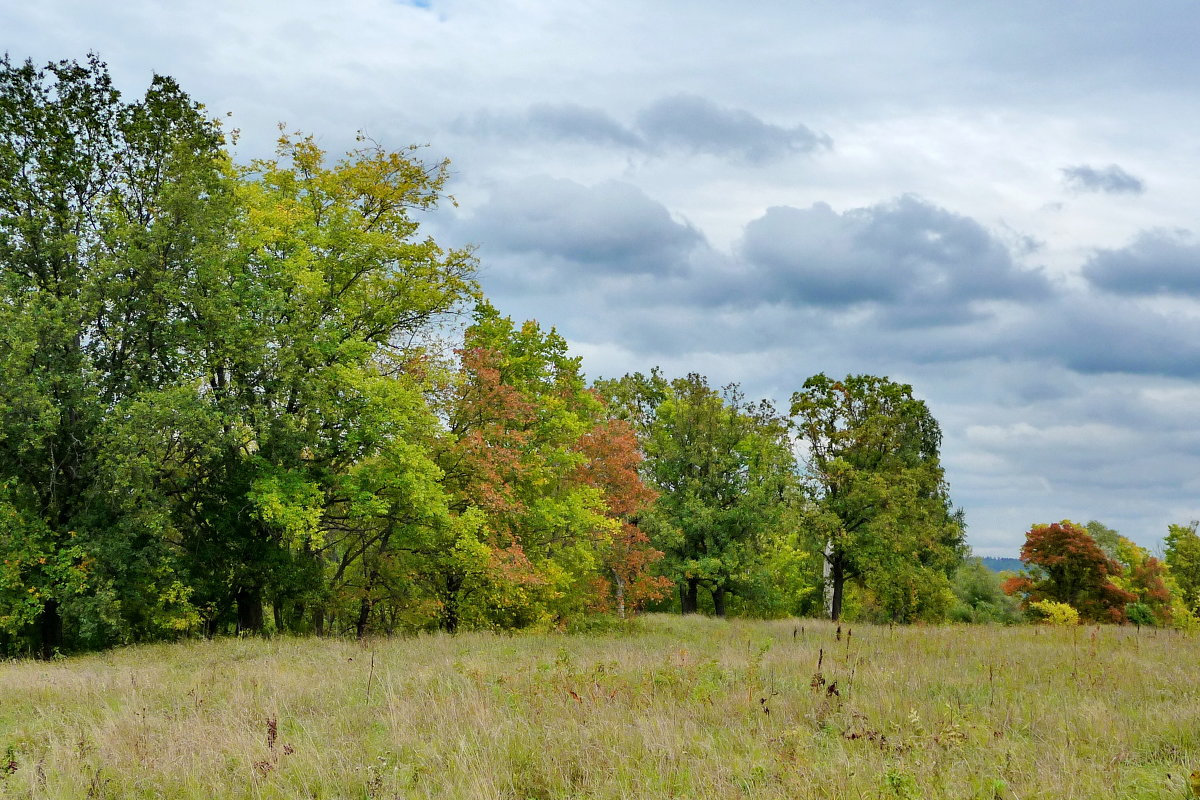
{"x": 674, "y": 708}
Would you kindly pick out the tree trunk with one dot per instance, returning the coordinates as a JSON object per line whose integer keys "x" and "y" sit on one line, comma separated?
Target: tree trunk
{"x": 827, "y": 578}
{"x": 364, "y": 616}
{"x": 718, "y": 596}
{"x": 688, "y": 591}
{"x": 837, "y": 578}
{"x": 449, "y": 619}
{"x": 249, "y": 610}
{"x": 619, "y": 592}
{"x": 277, "y": 612}
{"x": 318, "y": 620}
{"x": 50, "y": 629}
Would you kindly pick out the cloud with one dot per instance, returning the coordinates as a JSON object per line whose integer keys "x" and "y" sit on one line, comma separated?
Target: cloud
{"x": 925, "y": 263}
{"x": 1109, "y": 180}
{"x": 563, "y": 122}
{"x": 1155, "y": 262}
{"x": 700, "y": 125}
{"x": 682, "y": 123}
{"x": 1093, "y": 335}
{"x": 610, "y": 228}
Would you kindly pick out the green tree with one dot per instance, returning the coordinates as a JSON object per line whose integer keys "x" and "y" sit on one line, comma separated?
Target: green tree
{"x": 214, "y": 379}
{"x": 724, "y": 473}
{"x": 104, "y": 206}
{"x": 882, "y": 510}
{"x": 308, "y": 334}
{"x": 980, "y": 595}
{"x": 1183, "y": 560}
{"x": 1142, "y": 575}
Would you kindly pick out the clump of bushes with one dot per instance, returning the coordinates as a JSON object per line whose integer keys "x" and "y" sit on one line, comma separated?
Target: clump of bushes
{"x": 1049, "y": 612}
{"x": 979, "y": 597}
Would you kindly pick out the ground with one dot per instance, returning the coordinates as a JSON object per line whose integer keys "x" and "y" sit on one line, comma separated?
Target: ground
{"x": 670, "y": 708}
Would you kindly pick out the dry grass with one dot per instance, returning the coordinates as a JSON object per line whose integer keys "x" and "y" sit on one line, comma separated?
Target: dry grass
{"x": 686, "y": 708}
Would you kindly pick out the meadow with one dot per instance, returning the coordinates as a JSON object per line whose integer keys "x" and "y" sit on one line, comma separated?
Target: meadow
{"x": 669, "y": 707}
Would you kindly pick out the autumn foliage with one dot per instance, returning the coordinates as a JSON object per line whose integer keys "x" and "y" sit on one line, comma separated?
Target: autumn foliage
{"x": 1066, "y": 565}
{"x": 612, "y": 463}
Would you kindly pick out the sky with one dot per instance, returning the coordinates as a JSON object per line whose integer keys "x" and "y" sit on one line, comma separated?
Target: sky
{"x": 993, "y": 202}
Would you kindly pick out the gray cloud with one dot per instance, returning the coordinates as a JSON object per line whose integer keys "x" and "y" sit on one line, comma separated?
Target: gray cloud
{"x": 702, "y": 126}
{"x": 925, "y": 263}
{"x": 1156, "y": 262}
{"x": 610, "y": 228}
{"x": 1094, "y": 337}
{"x": 565, "y": 122}
{"x": 1109, "y": 180}
{"x": 680, "y": 123}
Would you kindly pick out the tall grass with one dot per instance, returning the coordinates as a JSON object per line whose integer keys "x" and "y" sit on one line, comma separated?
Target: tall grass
{"x": 673, "y": 708}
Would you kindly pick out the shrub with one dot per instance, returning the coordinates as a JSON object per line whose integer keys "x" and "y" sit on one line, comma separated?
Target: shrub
{"x": 1049, "y": 612}
{"x": 1140, "y": 614}
{"x": 980, "y": 598}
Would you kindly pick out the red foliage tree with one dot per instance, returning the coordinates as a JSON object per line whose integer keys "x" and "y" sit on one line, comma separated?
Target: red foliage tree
{"x": 612, "y": 462}
{"x": 1148, "y": 582}
{"x": 1067, "y": 566}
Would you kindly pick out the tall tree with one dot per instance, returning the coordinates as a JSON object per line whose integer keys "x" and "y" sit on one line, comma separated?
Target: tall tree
{"x": 724, "y": 473}
{"x": 210, "y": 374}
{"x": 882, "y": 512}
{"x": 307, "y": 335}
{"x": 613, "y": 462}
{"x": 104, "y": 207}
{"x": 541, "y": 487}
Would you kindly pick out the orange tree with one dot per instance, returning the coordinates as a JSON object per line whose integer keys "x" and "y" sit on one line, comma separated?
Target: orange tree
{"x": 1064, "y": 564}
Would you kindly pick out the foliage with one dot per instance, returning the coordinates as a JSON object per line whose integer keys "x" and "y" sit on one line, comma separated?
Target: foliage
{"x": 1183, "y": 558}
{"x": 883, "y": 514}
{"x": 106, "y": 208}
{"x": 232, "y": 401}
{"x": 980, "y": 597}
{"x": 551, "y": 482}
{"x": 1139, "y": 614}
{"x": 612, "y": 464}
{"x": 1051, "y": 612}
{"x": 1067, "y": 566}
{"x": 1142, "y": 576}
{"x": 723, "y": 470}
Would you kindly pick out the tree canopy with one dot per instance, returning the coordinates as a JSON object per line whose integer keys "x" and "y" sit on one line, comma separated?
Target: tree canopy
{"x": 1066, "y": 565}
{"x": 723, "y": 470}
{"x": 882, "y": 512}
{"x": 226, "y": 389}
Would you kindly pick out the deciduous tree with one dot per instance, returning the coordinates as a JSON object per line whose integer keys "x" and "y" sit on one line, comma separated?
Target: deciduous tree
{"x": 883, "y": 512}
{"x": 106, "y": 207}
{"x": 1183, "y": 559}
{"x": 1067, "y": 566}
{"x": 724, "y": 473}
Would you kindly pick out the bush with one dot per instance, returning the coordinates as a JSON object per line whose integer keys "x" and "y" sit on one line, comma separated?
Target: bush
{"x": 1140, "y": 614}
{"x": 979, "y": 597}
{"x": 1049, "y": 612}
{"x": 904, "y": 595}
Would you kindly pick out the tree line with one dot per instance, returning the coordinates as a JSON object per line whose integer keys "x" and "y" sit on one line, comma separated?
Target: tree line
{"x": 256, "y": 397}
